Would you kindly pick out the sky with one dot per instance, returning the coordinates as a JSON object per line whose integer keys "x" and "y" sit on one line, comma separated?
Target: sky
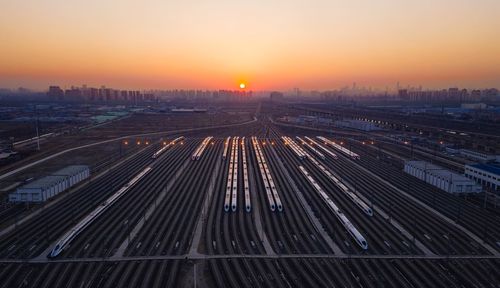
{"x": 267, "y": 44}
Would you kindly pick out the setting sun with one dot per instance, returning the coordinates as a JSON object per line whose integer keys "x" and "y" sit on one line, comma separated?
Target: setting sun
{"x": 242, "y": 85}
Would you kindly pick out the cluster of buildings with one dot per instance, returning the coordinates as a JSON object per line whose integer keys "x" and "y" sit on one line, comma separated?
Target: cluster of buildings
{"x": 102, "y": 94}
{"x": 205, "y": 95}
{"x": 480, "y": 176}
{"x": 325, "y": 121}
{"x": 451, "y": 95}
{"x": 357, "y": 125}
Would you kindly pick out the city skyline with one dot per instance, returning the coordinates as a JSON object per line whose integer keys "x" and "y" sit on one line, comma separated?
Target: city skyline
{"x": 280, "y": 45}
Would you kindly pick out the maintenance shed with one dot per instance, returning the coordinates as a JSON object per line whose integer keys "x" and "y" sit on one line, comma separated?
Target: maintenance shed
{"x": 487, "y": 174}
{"x": 44, "y": 188}
{"x": 441, "y": 178}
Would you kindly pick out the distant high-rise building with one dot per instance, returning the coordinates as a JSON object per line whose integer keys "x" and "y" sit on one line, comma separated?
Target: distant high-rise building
{"x": 453, "y": 94}
{"x": 276, "y": 96}
{"x": 124, "y": 95}
{"x": 403, "y": 94}
{"x": 56, "y": 93}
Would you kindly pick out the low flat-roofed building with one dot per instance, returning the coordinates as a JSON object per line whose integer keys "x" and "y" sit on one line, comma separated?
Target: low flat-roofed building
{"x": 44, "y": 188}
{"x": 357, "y": 124}
{"x": 478, "y": 156}
{"x": 441, "y": 178}
{"x": 488, "y": 175}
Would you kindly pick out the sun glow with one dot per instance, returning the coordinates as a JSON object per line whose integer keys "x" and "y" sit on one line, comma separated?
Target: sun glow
{"x": 242, "y": 85}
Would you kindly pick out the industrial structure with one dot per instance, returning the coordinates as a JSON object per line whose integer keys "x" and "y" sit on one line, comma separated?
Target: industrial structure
{"x": 44, "y": 188}
{"x": 479, "y": 156}
{"x": 441, "y": 178}
{"x": 488, "y": 175}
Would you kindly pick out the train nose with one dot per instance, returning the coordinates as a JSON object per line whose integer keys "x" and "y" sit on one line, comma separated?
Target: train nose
{"x": 226, "y": 207}
{"x": 248, "y": 208}
{"x": 233, "y": 207}
{"x": 370, "y": 212}
{"x": 364, "y": 245}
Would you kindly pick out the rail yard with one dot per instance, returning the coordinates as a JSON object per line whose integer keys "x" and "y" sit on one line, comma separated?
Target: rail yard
{"x": 251, "y": 203}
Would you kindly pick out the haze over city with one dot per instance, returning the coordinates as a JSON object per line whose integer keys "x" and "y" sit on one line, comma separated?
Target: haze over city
{"x": 267, "y": 44}
{"x": 260, "y": 143}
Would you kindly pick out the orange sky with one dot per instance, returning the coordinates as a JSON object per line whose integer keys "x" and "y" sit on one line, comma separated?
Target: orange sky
{"x": 272, "y": 44}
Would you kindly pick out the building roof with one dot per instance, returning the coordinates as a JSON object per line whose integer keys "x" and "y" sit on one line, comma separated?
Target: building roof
{"x": 55, "y": 178}
{"x": 491, "y": 168}
{"x": 438, "y": 171}
{"x": 44, "y": 182}
{"x": 71, "y": 170}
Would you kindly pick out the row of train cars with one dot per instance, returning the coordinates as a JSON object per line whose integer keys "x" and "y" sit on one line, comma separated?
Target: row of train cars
{"x": 232, "y": 149}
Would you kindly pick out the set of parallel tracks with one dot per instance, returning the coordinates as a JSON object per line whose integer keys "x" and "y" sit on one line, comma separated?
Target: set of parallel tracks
{"x": 33, "y": 237}
{"x": 169, "y": 230}
{"x": 480, "y": 221}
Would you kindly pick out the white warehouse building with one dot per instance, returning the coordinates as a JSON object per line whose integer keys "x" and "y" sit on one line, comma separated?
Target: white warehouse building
{"x": 487, "y": 175}
{"x": 441, "y": 178}
{"x": 357, "y": 124}
{"x": 479, "y": 156}
{"x": 44, "y": 188}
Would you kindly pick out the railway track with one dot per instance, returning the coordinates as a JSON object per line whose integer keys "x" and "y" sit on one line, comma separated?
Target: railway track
{"x": 476, "y": 219}
{"x": 352, "y": 273}
{"x": 104, "y": 236}
{"x": 381, "y": 236}
{"x": 34, "y": 236}
{"x": 168, "y": 231}
{"x": 440, "y": 237}
{"x": 234, "y": 232}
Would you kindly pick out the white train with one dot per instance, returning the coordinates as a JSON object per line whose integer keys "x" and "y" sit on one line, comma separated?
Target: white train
{"x": 199, "y": 150}
{"x": 326, "y": 150}
{"x": 78, "y": 228}
{"x": 271, "y": 191}
{"x": 246, "y": 187}
{"x": 258, "y": 155}
{"x": 340, "y": 148}
{"x": 164, "y": 148}
{"x": 305, "y": 143}
{"x": 353, "y": 231}
{"x": 360, "y": 203}
{"x": 295, "y": 148}
{"x": 234, "y": 198}
{"x": 354, "y": 198}
{"x": 226, "y": 148}
{"x": 229, "y": 190}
